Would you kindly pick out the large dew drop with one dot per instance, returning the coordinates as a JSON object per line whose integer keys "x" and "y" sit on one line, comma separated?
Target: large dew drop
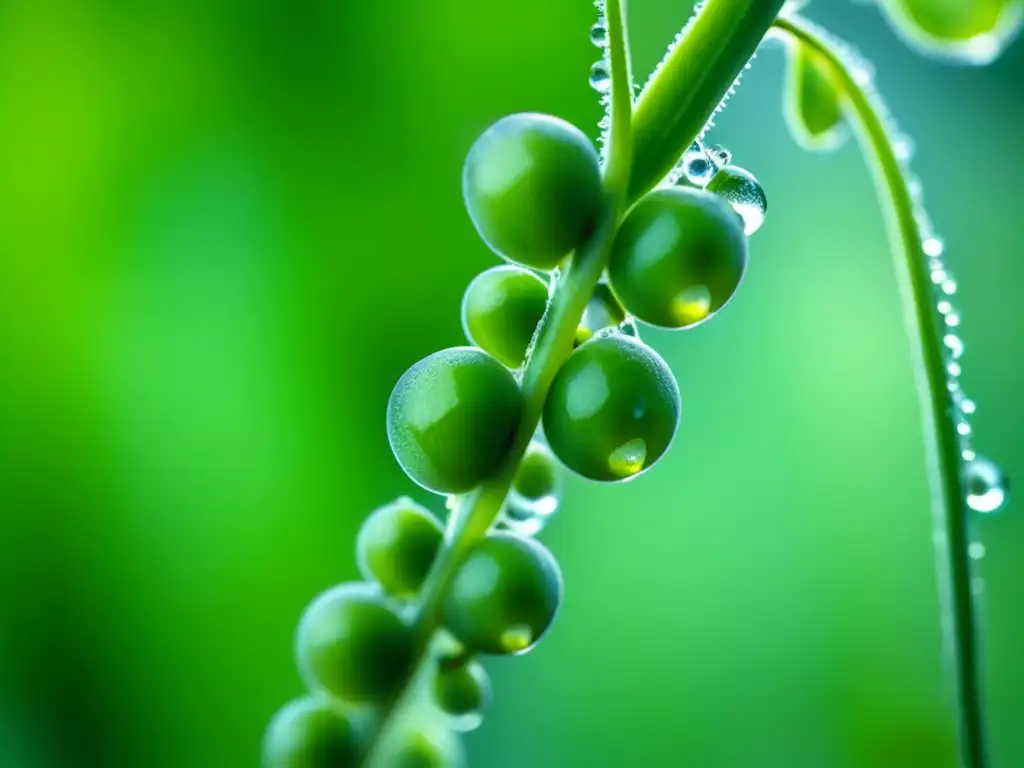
{"x": 600, "y": 80}
{"x": 744, "y": 193}
{"x": 599, "y": 35}
{"x": 986, "y": 486}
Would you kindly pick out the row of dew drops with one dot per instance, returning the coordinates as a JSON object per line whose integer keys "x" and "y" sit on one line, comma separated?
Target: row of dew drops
{"x": 985, "y": 486}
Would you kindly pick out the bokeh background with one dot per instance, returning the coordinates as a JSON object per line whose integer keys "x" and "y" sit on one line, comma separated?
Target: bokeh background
{"x": 227, "y": 228}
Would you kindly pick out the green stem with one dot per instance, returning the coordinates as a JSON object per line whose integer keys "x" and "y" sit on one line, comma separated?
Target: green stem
{"x": 477, "y": 511}
{"x": 941, "y": 439}
{"x": 692, "y": 81}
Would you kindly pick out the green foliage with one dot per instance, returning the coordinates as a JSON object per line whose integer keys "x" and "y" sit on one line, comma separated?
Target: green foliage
{"x": 501, "y": 310}
{"x": 969, "y": 31}
{"x": 532, "y": 185}
{"x": 613, "y": 409}
{"x": 462, "y": 690}
{"x": 678, "y": 258}
{"x": 452, "y": 417}
{"x": 811, "y": 101}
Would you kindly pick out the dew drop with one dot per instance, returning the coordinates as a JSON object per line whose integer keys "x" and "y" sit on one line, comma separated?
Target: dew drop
{"x": 968, "y": 455}
{"x": 628, "y": 327}
{"x": 720, "y": 156}
{"x": 952, "y": 318}
{"x": 938, "y": 275}
{"x": 516, "y": 638}
{"x": 944, "y": 307}
{"x": 744, "y": 193}
{"x": 963, "y": 429}
{"x": 986, "y": 486}
{"x": 536, "y": 490}
{"x": 948, "y": 286}
{"x": 697, "y": 165}
{"x": 628, "y": 459}
{"x": 976, "y": 550}
{"x": 599, "y": 35}
{"x": 933, "y": 247}
{"x": 600, "y": 80}
{"x": 954, "y": 370}
{"x": 954, "y": 344}
{"x": 968, "y": 407}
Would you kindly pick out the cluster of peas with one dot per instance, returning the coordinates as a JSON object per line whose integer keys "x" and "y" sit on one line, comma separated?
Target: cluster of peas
{"x": 532, "y": 184}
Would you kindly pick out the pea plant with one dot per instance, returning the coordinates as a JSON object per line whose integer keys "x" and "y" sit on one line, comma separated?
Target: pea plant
{"x": 652, "y": 228}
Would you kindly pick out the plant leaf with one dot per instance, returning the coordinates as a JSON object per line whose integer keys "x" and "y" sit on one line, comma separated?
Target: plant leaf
{"x": 812, "y": 107}
{"x": 972, "y": 32}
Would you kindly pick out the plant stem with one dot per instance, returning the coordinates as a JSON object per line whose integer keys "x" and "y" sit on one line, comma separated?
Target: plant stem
{"x": 941, "y": 440}
{"x": 476, "y": 512}
{"x": 692, "y": 81}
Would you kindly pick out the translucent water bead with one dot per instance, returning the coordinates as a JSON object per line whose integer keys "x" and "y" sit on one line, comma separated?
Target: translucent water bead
{"x": 698, "y": 167}
{"x": 986, "y": 486}
{"x": 535, "y": 494}
{"x": 599, "y": 35}
{"x": 600, "y": 80}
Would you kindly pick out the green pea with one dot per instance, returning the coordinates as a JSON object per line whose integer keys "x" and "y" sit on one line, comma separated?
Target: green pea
{"x": 463, "y": 691}
{"x": 501, "y": 310}
{"x": 310, "y": 733}
{"x": 352, "y": 644}
{"x": 452, "y": 418}
{"x": 397, "y": 545}
{"x": 612, "y": 410}
{"x": 678, "y": 257}
{"x": 532, "y": 185}
{"x": 504, "y": 596}
{"x": 812, "y": 107}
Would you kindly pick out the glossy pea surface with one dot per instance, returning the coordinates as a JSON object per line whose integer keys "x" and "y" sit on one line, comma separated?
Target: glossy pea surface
{"x": 532, "y": 186}
{"x": 397, "y": 545}
{"x": 505, "y": 595}
{"x": 352, "y": 644}
{"x": 613, "y": 409}
{"x": 678, "y": 257}
{"x": 452, "y": 418}
{"x": 310, "y": 733}
{"x": 501, "y": 309}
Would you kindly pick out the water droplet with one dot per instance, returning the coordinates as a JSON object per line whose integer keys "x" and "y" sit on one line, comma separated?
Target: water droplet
{"x": 985, "y": 485}
{"x": 963, "y": 429}
{"x": 450, "y": 502}
{"x": 944, "y": 307}
{"x": 976, "y": 550}
{"x": 599, "y": 35}
{"x": 536, "y": 490}
{"x": 954, "y": 344}
{"x": 938, "y": 276}
{"x": 628, "y": 459}
{"x": 968, "y": 407}
{"x": 628, "y": 327}
{"x": 903, "y": 147}
{"x": 948, "y": 286}
{"x": 744, "y": 193}
{"x": 968, "y": 455}
{"x": 933, "y": 247}
{"x": 600, "y": 80}
{"x": 954, "y": 370}
{"x": 720, "y": 156}
{"x": 952, "y": 318}
{"x": 697, "y": 165}
{"x": 516, "y": 638}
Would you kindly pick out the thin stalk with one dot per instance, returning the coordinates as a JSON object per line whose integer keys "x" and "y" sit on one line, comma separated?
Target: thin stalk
{"x": 941, "y": 440}
{"x": 477, "y": 511}
{"x": 691, "y": 82}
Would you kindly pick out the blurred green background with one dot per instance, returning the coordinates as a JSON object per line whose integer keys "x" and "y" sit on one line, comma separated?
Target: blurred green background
{"x": 227, "y": 228}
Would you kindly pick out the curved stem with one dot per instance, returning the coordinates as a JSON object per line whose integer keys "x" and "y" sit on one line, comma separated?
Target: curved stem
{"x": 692, "y": 81}
{"x": 942, "y": 442}
{"x": 477, "y": 511}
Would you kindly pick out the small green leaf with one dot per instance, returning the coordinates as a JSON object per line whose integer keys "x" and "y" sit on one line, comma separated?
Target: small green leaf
{"x": 813, "y": 109}
{"x": 966, "y": 31}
